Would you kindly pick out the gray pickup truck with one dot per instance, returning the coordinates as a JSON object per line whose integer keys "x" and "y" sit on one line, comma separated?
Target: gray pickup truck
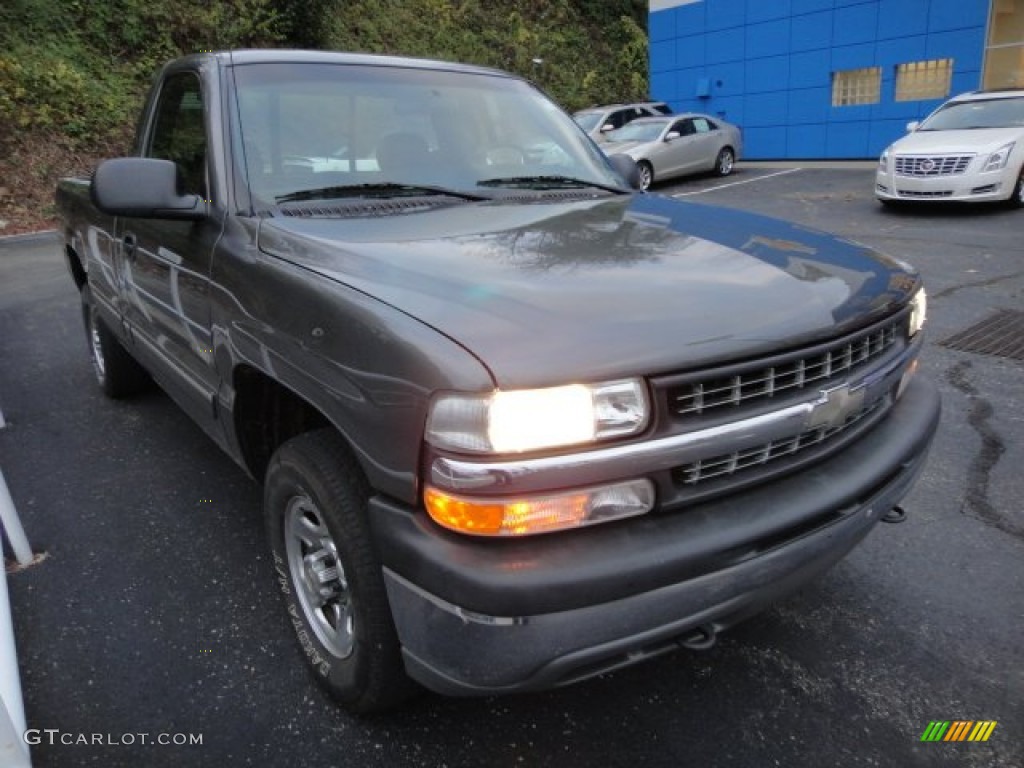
{"x": 517, "y": 423}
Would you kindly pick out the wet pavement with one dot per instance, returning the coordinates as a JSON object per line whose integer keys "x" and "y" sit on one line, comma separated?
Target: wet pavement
{"x": 154, "y": 617}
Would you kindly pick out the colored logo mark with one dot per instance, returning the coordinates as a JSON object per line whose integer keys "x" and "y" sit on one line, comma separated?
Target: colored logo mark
{"x": 958, "y": 730}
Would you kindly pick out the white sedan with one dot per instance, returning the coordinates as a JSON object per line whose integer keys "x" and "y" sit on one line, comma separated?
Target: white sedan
{"x": 677, "y": 145}
{"x": 969, "y": 149}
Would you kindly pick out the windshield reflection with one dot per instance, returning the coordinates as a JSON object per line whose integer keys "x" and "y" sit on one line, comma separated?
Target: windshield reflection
{"x": 968, "y": 115}
{"x": 309, "y": 126}
{"x": 637, "y": 131}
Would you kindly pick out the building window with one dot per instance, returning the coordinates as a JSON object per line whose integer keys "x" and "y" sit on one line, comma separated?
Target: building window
{"x": 1004, "y": 54}
{"x": 856, "y": 86}
{"x": 919, "y": 80}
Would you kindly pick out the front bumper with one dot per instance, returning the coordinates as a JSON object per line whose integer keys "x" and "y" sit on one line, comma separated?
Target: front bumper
{"x": 965, "y": 187}
{"x": 487, "y": 616}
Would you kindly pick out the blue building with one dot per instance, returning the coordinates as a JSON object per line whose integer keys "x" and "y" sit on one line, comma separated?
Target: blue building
{"x": 829, "y": 78}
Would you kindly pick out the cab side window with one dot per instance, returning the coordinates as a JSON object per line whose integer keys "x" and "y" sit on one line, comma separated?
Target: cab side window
{"x": 179, "y": 133}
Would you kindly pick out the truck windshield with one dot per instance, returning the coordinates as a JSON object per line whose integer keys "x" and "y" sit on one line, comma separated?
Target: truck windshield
{"x": 313, "y": 126}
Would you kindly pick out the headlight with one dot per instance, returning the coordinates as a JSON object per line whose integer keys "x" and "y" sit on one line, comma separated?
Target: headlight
{"x": 530, "y": 419}
{"x": 918, "y": 311}
{"x": 998, "y": 159}
{"x": 883, "y": 160}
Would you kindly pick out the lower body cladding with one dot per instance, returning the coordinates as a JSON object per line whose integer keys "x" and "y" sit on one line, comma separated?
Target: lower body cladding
{"x": 478, "y": 617}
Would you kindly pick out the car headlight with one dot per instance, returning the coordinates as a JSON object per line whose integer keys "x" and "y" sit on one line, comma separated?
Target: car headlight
{"x": 512, "y": 421}
{"x": 883, "y": 160}
{"x": 918, "y": 311}
{"x": 998, "y": 159}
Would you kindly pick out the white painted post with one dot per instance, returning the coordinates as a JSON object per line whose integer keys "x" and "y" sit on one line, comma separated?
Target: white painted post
{"x": 11, "y": 525}
{"x": 13, "y": 749}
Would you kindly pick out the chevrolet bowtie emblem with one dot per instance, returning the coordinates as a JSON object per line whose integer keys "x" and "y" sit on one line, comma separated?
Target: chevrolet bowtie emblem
{"x": 835, "y": 406}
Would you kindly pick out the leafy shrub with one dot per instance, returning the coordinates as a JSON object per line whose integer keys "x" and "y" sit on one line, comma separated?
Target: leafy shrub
{"x": 46, "y": 91}
{"x": 579, "y": 59}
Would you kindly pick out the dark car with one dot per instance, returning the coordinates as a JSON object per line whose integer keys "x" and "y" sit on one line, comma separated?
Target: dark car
{"x": 516, "y": 423}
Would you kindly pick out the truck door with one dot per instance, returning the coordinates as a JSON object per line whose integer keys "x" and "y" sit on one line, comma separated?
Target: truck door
{"x": 167, "y": 263}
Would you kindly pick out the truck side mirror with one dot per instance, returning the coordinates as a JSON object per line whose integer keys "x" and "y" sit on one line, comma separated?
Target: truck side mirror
{"x": 626, "y": 167}
{"x": 142, "y": 187}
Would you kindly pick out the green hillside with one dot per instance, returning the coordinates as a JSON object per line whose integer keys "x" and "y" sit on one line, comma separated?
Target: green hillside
{"x": 73, "y": 72}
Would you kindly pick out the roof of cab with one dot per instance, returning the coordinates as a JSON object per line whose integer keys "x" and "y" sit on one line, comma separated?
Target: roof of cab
{"x": 283, "y": 55}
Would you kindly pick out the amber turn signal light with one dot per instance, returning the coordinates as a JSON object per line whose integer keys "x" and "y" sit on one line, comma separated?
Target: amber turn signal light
{"x": 483, "y": 516}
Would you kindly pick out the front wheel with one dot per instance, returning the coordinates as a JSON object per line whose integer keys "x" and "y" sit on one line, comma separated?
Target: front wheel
{"x": 725, "y": 161}
{"x": 116, "y": 371}
{"x": 1016, "y": 199}
{"x": 315, "y": 500}
{"x": 646, "y": 174}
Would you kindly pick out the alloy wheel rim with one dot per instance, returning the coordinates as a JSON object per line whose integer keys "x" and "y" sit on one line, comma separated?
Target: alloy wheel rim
{"x": 725, "y": 162}
{"x": 318, "y": 576}
{"x": 645, "y": 177}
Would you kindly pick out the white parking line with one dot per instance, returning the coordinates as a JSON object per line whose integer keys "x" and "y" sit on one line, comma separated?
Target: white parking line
{"x": 737, "y": 183}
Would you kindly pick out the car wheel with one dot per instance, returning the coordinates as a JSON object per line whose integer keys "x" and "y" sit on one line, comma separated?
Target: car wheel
{"x": 116, "y": 371}
{"x": 725, "y": 161}
{"x": 315, "y": 500}
{"x": 646, "y": 174}
{"x": 1016, "y": 200}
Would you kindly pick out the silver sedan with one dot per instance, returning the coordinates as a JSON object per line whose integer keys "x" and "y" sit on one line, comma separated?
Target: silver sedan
{"x": 677, "y": 145}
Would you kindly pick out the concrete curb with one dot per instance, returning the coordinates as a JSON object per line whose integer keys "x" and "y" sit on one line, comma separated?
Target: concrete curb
{"x": 810, "y": 165}
{"x": 28, "y": 237}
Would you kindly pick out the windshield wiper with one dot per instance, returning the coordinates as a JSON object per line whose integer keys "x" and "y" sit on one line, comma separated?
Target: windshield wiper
{"x": 547, "y": 182}
{"x": 384, "y": 189}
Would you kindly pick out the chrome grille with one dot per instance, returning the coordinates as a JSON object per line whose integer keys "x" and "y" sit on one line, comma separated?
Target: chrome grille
{"x": 910, "y": 165}
{"x": 789, "y": 375}
{"x": 732, "y": 463}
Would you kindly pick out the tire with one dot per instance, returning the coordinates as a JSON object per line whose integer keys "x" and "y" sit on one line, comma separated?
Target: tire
{"x": 646, "y": 174}
{"x": 315, "y": 500}
{"x": 116, "y": 371}
{"x": 725, "y": 161}
{"x": 1016, "y": 200}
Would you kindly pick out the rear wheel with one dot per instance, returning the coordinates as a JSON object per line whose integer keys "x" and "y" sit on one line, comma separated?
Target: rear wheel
{"x": 725, "y": 161}
{"x": 646, "y": 174}
{"x": 116, "y": 371}
{"x": 315, "y": 501}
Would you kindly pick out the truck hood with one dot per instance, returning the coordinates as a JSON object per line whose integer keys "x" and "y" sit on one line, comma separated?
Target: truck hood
{"x": 549, "y": 292}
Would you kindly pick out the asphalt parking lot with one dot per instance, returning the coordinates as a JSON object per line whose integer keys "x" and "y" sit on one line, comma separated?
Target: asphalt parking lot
{"x": 155, "y": 610}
